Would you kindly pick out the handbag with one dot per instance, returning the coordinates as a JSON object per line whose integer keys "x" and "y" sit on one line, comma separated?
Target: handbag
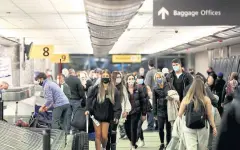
{"x": 79, "y": 119}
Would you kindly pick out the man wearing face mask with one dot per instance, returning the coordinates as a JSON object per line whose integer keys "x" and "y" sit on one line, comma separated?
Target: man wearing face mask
{"x": 141, "y": 72}
{"x": 55, "y": 98}
{"x": 65, "y": 88}
{"x": 191, "y": 71}
{"x": 178, "y": 78}
{"x": 211, "y": 71}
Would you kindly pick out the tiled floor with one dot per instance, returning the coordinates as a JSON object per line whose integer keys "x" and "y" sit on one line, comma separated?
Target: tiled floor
{"x": 152, "y": 142}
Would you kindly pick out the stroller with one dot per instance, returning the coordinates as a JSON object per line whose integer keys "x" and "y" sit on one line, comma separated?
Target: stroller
{"x": 41, "y": 119}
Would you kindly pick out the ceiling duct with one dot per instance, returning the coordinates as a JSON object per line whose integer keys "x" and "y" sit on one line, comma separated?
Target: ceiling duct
{"x": 104, "y": 42}
{"x": 107, "y": 21}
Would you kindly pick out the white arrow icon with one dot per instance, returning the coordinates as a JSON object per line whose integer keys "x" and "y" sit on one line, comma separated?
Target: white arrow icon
{"x": 163, "y": 11}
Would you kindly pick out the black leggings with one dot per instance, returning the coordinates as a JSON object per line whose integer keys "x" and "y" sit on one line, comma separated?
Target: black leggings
{"x": 131, "y": 127}
{"x": 161, "y": 122}
{"x": 140, "y": 131}
{"x": 112, "y": 135}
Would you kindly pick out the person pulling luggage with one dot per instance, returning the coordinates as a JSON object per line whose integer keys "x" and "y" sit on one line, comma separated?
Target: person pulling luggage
{"x": 126, "y": 108}
{"x": 104, "y": 106}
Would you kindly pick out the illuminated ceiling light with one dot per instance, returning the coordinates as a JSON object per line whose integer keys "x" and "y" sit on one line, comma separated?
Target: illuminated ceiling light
{"x": 204, "y": 40}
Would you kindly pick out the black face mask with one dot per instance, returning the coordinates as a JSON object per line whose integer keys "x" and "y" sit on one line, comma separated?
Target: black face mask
{"x": 105, "y": 80}
{"x": 41, "y": 83}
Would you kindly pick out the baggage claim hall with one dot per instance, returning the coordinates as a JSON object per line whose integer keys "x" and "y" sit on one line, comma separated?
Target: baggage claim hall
{"x": 119, "y": 74}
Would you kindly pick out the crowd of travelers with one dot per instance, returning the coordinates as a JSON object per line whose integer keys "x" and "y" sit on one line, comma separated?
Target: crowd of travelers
{"x": 196, "y": 112}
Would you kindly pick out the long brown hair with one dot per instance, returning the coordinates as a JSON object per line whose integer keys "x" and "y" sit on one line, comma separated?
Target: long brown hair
{"x": 110, "y": 89}
{"x": 196, "y": 93}
{"x": 121, "y": 85}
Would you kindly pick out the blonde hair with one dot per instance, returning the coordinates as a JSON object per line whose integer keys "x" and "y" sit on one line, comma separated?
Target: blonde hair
{"x": 161, "y": 76}
{"x": 196, "y": 93}
{"x": 110, "y": 89}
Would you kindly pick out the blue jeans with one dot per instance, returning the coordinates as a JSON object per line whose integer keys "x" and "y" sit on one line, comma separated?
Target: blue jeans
{"x": 74, "y": 104}
{"x": 150, "y": 120}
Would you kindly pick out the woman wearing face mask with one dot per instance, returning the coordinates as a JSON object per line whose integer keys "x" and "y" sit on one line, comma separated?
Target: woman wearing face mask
{"x": 160, "y": 93}
{"x": 104, "y": 105}
{"x": 140, "y": 83}
{"x": 126, "y": 107}
{"x": 138, "y": 103}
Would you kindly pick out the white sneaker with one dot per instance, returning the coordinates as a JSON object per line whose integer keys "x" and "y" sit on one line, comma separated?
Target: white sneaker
{"x": 141, "y": 143}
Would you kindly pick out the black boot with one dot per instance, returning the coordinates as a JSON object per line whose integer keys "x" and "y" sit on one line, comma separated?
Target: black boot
{"x": 113, "y": 146}
{"x": 162, "y": 146}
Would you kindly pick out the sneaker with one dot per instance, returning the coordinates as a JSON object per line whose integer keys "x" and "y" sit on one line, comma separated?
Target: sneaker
{"x": 162, "y": 147}
{"x": 134, "y": 147}
{"x": 141, "y": 143}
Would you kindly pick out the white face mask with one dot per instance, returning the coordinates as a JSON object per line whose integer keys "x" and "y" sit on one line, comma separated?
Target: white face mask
{"x": 131, "y": 82}
{"x": 118, "y": 80}
{"x": 49, "y": 73}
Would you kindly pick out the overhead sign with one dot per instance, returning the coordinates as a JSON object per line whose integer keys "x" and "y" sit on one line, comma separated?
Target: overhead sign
{"x": 41, "y": 51}
{"x": 126, "y": 58}
{"x": 196, "y": 12}
{"x": 57, "y": 58}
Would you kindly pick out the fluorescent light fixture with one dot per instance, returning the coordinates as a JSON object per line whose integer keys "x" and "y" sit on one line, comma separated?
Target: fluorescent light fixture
{"x": 228, "y": 33}
{"x": 204, "y": 40}
{"x": 181, "y": 47}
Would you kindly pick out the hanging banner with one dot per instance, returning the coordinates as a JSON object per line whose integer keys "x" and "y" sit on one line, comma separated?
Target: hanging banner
{"x": 126, "y": 58}
{"x": 41, "y": 51}
{"x": 55, "y": 58}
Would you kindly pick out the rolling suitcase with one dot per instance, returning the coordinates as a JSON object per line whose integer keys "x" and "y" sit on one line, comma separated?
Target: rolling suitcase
{"x": 80, "y": 140}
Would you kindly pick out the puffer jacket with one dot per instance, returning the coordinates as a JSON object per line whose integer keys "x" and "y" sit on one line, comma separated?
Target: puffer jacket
{"x": 160, "y": 100}
{"x": 138, "y": 103}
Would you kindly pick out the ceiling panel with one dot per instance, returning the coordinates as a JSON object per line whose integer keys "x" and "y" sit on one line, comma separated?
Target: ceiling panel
{"x": 140, "y": 21}
{"x": 69, "y": 6}
{"x": 147, "y": 6}
{"x": 61, "y": 33}
{"x": 8, "y": 6}
{"x": 22, "y": 22}
{"x": 33, "y": 33}
{"x": 80, "y": 32}
{"x": 76, "y": 21}
{"x": 9, "y": 32}
{"x": 35, "y": 6}
{"x": 53, "y": 21}
{"x": 5, "y": 25}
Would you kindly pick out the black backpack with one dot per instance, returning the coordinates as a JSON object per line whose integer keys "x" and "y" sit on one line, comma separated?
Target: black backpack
{"x": 195, "y": 119}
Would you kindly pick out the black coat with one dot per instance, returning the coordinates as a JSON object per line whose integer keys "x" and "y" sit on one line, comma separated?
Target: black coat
{"x": 77, "y": 91}
{"x": 230, "y": 126}
{"x": 105, "y": 111}
{"x": 187, "y": 79}
{"x": 160, "y": 100}
{"x": 219, "y": 89}
{"x": 138, "y": 103}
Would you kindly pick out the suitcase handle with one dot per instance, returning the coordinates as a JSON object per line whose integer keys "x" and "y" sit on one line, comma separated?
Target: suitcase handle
{"x": 87, "y": 123}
